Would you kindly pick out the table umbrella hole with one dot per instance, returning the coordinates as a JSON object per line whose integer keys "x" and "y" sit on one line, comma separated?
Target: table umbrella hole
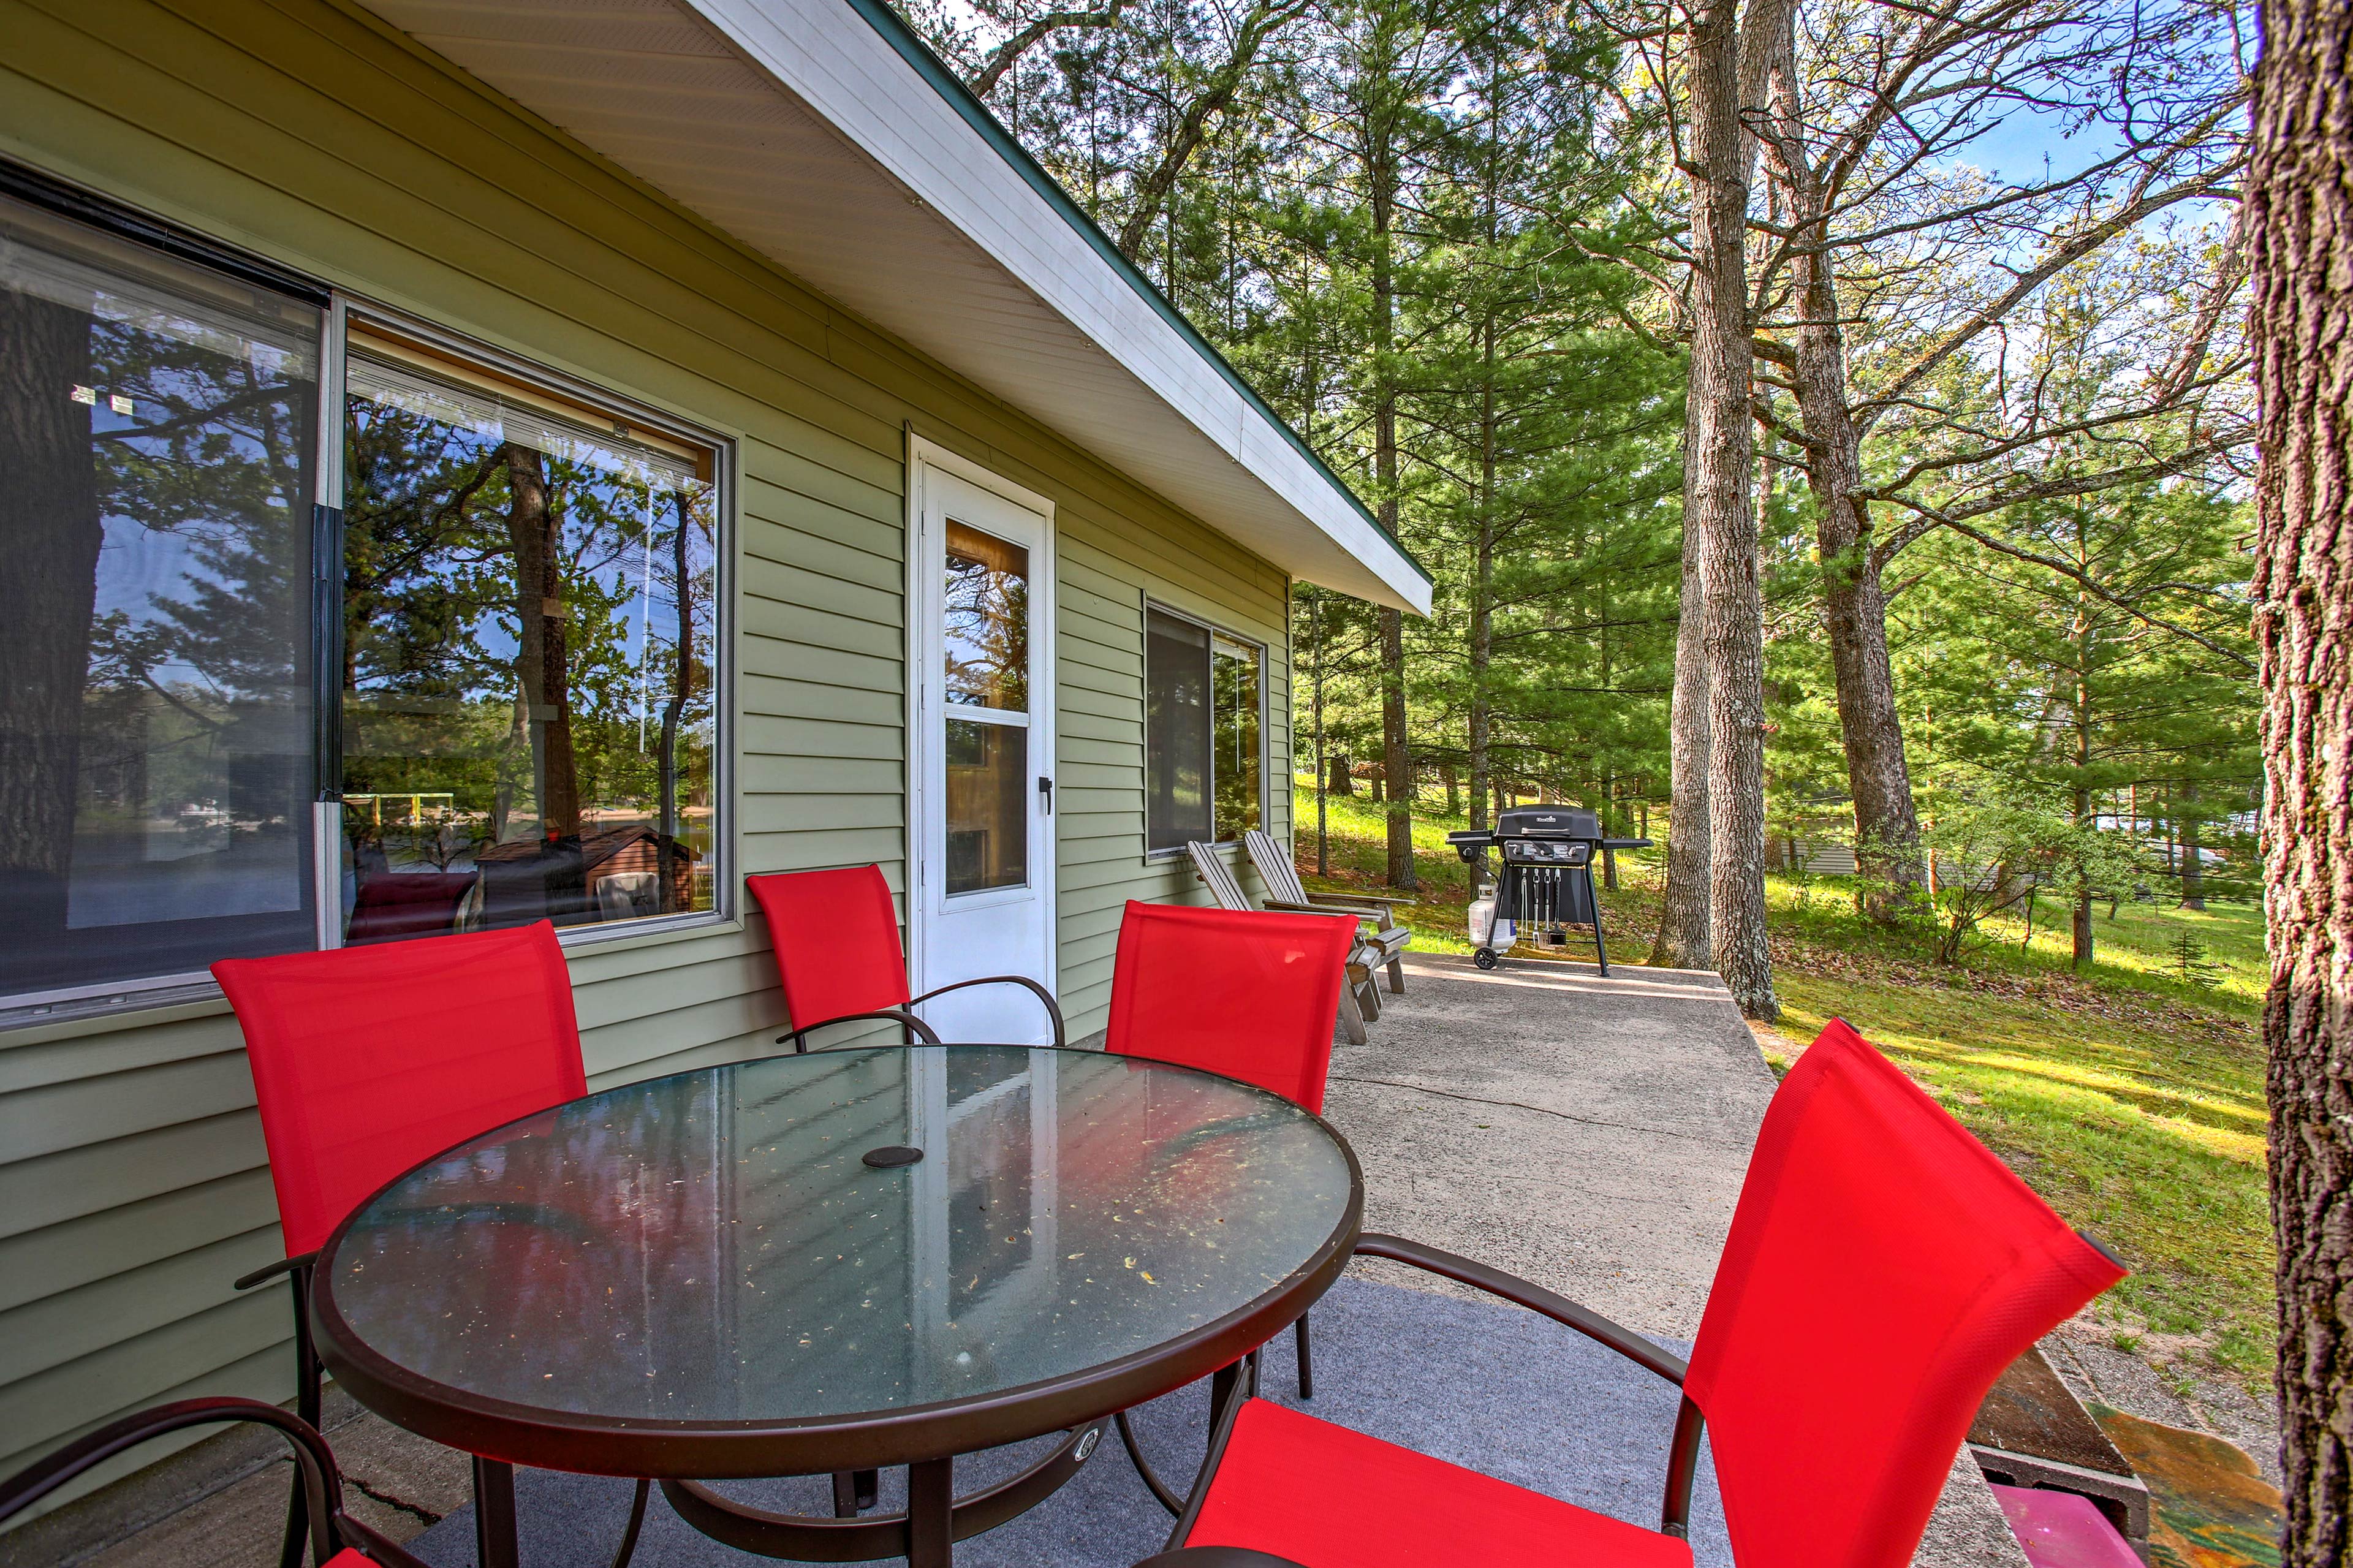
{"x": 892, "y": 1154}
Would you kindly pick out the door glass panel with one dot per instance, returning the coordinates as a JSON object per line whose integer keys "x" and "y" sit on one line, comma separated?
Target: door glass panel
{"x": 158, "y": 432}
{"x": 988, "y": 805}
{"x": 987, "y": 631}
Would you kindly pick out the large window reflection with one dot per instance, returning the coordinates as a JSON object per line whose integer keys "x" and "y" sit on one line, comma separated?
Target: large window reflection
{"x": 528, "y": 609}
{"x": 157, "y": 435}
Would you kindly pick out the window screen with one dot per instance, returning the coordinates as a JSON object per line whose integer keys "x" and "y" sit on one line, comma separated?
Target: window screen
{"x": 158, "y": 432}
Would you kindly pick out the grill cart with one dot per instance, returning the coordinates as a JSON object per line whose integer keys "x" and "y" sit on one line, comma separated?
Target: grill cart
{"x": 1546, "y": 885}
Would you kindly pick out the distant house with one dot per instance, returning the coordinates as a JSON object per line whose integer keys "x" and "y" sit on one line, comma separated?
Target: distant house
{"x": 685, "y": 432}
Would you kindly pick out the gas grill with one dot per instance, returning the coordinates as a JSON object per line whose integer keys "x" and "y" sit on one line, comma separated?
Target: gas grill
{"x": 1545, "y": 883}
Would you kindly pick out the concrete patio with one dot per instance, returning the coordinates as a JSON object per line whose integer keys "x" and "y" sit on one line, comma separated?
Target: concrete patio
{"x": 1591, "y": 1134}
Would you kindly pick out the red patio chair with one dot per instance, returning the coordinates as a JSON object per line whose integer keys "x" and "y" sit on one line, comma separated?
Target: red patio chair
{"x": 335, "y": 1538}
{"x": 1251, "y": 995}
{"x": 369, "y": 1060}
{"x": 1883, "y": 1269}
{"x": 838, "y": 957}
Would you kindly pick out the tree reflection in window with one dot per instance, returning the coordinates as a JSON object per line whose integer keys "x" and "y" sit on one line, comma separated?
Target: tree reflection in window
{"x": 988, "y": 620}
{"x": 528, "y": 609}
{"x": 158, "y": 435}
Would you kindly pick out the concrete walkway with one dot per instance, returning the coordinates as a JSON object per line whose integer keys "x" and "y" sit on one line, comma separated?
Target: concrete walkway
{"x": 1586, "y": 1135}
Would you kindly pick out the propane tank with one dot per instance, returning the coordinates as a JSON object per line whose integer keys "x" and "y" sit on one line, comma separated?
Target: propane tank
{"x": 1485, "y": 930}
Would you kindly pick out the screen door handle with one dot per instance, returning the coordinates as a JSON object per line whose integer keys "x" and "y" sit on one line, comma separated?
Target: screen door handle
{"x": 1046, "y": 793}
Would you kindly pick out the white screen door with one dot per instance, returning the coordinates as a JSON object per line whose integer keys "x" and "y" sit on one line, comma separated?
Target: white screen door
{"x": 982, "y": 745}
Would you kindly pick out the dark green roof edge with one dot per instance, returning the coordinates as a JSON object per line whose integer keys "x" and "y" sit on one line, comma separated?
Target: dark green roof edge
{"x": 950, "y": 87}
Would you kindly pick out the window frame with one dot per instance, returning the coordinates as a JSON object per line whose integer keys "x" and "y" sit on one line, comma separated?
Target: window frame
{"x": 340, "y": 312}
{"x": 1210, "y": 775}
{"x": 470, "y": 356}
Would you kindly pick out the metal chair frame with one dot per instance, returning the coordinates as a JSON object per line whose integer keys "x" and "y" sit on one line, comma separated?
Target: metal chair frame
{"x": 1682, "y": 1453}
{"x": 329, "y": 1530}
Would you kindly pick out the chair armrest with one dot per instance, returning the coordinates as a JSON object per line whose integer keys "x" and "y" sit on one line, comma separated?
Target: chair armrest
{"x": 1053, "y": 1012}
{"x": 1284, "y": 906}
{"x": 321, "y": 1484}
{"x": 1535, "y": 1297}
{"x": 895, "y": 1014}
{"x": 269, "y": 1271}
{"x": 1362, "y": 900}
{"x": 1683, "y": 1451}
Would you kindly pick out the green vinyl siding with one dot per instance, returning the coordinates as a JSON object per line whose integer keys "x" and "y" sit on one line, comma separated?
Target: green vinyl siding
{"x": 133, "y": 1186}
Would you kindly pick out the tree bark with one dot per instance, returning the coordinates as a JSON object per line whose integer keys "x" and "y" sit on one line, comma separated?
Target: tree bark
{"x": 1682, "y": 939}
{"x": 2299, "y": 193}
{"x": 48, "y": 592}
{"x": 1718, "y": 471}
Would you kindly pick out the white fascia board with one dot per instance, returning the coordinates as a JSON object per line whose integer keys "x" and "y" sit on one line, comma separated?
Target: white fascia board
{"x": 825, "y": 53}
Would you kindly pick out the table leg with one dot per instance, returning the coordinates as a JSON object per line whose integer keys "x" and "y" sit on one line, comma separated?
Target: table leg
{"x": 931, "y": 1513}
{"x": 494, "y": 1514}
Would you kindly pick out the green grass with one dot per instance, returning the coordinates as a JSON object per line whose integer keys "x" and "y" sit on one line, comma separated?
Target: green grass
{"x": 2130, "y": 1096}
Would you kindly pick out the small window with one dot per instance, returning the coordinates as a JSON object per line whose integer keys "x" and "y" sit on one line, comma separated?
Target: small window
{"x": 528, "y": 620}
{"x": 1204, "y": 768}
{"x": 158, "y": 438}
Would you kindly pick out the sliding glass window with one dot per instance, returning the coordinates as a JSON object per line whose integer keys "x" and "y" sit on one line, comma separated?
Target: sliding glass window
{"x": 1203, "y": 764}
{"x": 158, "y": 432}
{"x": 511, "y": 621}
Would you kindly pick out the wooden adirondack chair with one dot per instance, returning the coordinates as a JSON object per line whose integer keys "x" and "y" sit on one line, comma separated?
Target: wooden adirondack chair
{"x": 1284, "y": 890}
{"x": 1360, "y": 999}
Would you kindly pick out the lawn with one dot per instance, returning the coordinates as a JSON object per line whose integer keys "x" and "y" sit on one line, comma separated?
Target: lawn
{"x": 2130, "y": 1096}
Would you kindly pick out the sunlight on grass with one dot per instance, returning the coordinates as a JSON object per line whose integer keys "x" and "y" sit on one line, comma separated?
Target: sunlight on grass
{"x": 2128, "y": 1095}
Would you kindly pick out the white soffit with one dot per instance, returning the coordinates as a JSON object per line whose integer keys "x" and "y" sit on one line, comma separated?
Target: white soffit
{"x": 797, "y": 127}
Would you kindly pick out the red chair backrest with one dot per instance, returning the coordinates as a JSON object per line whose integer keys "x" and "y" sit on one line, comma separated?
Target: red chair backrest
{"x": 1253, "y": 996}
{"x": 1883, "y": 1268}
{"x": 369, "y": 1060}
{"x": 837, "y": 941}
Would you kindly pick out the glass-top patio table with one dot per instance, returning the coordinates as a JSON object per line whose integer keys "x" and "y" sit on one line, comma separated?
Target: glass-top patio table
{"x": 832, "y": 1263}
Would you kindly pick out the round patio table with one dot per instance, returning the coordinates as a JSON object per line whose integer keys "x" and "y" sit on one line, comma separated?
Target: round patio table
{"x": 832, "y": 1263}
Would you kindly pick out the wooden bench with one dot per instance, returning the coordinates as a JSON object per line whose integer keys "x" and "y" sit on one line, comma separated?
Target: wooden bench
{"x": 1360, "y": 999}
{"x": 1286, "y": 892}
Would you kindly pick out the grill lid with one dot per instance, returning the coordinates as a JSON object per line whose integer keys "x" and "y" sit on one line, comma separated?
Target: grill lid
{"x": 1548, "y": 822}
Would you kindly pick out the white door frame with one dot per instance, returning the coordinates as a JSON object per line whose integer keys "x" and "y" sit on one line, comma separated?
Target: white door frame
{"x": 922, "y": 602}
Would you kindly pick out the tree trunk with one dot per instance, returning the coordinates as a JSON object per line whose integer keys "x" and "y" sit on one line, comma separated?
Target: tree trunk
{"x": 1381, "y": 180}
{"x": 1682, "y": 938}
{"x": 2300, "y": 222}
{"x": 674, "y": 709}
{"x": 1483, "y": 608}
{"x": 49, "y": 586}
{"x": 1718, "y": 473}
{"x": 1322, "y": 751}
{"x": 541, "y": 656}
{"x": 2193, "y": 865}
{"x": 1854, "y": 599}
{"x": 1340, "y": 777}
